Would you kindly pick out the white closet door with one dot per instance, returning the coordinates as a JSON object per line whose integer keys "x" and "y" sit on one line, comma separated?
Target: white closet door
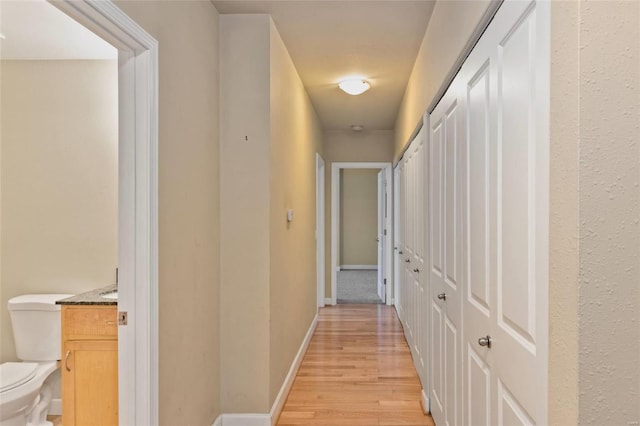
{"x": 419, "y": 269}
{"x": 397, "y": 240}
{"x": 506, "y": 235}
{"x": 445, "y": 267}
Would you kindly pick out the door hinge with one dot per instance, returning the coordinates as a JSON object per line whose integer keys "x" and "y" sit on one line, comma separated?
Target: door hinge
{"x": 122, "y": 318}
{"x": 385, "y": 281}
{"x": 385, "y": 232}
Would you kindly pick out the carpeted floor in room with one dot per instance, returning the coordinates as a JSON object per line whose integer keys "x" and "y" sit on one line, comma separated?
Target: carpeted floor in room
{"x": 358, "y": 286}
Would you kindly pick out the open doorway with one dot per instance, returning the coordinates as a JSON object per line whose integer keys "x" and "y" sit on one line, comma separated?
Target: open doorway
{"x": 128, "y": 197}
{"x": 361, "y": 232}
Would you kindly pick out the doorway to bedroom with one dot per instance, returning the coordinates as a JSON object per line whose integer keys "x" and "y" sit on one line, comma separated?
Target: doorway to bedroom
{"x": 360, "y": 223}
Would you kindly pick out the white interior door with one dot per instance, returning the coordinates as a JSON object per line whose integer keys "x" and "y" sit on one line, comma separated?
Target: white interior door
{"x": 381, "y": 236}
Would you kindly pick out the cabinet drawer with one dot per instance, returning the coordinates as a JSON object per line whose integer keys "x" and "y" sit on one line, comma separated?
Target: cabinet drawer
{"x": 89, "y": 322}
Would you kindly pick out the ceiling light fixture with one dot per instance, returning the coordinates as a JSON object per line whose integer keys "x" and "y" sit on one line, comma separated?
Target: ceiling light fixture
{"x": 357, "y": 127}
{"x": 354, "y": 85}
{"x": 2, "y": 36}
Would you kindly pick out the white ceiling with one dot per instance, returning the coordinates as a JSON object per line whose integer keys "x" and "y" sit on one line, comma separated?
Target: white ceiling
{"x": 34, "y": 29}
{"x": 329, "y": 40}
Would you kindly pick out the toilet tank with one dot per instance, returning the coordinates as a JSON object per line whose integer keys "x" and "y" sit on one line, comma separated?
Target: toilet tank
{"x": 35, "y": 319}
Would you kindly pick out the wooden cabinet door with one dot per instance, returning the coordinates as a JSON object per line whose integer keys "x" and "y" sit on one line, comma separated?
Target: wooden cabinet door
{"x": 90, "y": 383}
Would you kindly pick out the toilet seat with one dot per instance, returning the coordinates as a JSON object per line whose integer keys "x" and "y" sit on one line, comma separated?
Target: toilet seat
{"x": 15, "y": 374}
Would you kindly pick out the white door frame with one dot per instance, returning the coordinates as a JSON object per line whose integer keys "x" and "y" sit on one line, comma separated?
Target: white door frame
{"x": 396, "y": 234}
{"x": 320, "y": 206}
{"x": 137, "y": 203}
{"x": 335, "y": 222}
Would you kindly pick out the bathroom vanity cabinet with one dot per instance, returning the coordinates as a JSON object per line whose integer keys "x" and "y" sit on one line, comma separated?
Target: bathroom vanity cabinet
{"x": 89, "y": 365}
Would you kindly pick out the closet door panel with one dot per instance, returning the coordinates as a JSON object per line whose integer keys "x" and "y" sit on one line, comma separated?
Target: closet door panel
{"x": 479, "y": 220}
{"x": 451, "y": 371}
{"x": 516, "y": 180}
{"x": 437, "y": 363}
{"x": 435, "y": 191}
{"x": 478, "y": 385}
{"x": 450, "y": 199}
{"x": 478, "y": 192}
{"x": 522, "y": 212}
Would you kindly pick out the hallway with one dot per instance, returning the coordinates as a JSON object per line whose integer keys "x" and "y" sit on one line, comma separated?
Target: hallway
{"x": 357, "y": 371}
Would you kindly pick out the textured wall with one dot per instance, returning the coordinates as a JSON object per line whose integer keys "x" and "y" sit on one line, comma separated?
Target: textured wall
{"x": 188, "y": 198}
{"x": 609, "y": 300}
{"x": 563, "y": 217}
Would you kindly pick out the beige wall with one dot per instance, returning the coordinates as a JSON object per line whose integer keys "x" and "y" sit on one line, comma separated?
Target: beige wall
{"x": 609, "y": 205}
{"x": 187, "y": 32}
{"x": 296, "y": 136}
{"x": 358, "y": 216}
{"x": 449, "y": 29}
{"x": 245, "y": 224}
{"x": 347, "y": 146}
{"x": 270, "y": 135}
{"x": 59, "y": 177}
{"x": 594, "y": 359}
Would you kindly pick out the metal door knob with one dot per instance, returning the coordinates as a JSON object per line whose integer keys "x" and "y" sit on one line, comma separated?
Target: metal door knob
{"x": 442, "y": 296}
{"x": 377, "y": 240}
{"x": 485, "y": 341}
{"x": 407, "y": 261}
{"x": 416, "y": 270}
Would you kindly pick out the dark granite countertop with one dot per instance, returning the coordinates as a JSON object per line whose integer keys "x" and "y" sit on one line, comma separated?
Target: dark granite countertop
{"x": 92, "y": 297}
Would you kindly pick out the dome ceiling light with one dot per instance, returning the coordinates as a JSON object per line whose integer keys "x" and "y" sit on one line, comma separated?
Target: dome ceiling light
{"x": 354, "y": 85}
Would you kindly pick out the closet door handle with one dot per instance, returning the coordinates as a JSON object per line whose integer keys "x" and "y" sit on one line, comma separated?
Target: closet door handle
{"x": 485, "y": 341}
{"x": 407, "y": 261}
{"x": 66, "y": 361}
{"x": 416, "y": 270}
{"x": 442, "y": 296}
{"x": 400, "y": 252}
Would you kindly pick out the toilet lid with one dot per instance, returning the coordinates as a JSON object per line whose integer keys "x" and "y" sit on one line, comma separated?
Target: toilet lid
{"x": 14, "y": 374}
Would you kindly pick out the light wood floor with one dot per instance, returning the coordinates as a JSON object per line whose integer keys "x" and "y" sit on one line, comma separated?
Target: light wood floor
{"x": 357, "y": 371}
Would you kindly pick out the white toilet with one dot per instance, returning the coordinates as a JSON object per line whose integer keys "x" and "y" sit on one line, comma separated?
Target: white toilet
{"x": 24, "y": 396}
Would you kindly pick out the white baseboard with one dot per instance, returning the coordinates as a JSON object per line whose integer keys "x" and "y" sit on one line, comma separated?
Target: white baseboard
{"x": 246, "y": 419}
{"x": 357, "y": 267}
{"x": 425, "y": 402}
{"x": 56, "y": 407}
{"x": 328, "y": 301}
{"x": 278, "y": 404}
{"x": 270, "y": 419}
